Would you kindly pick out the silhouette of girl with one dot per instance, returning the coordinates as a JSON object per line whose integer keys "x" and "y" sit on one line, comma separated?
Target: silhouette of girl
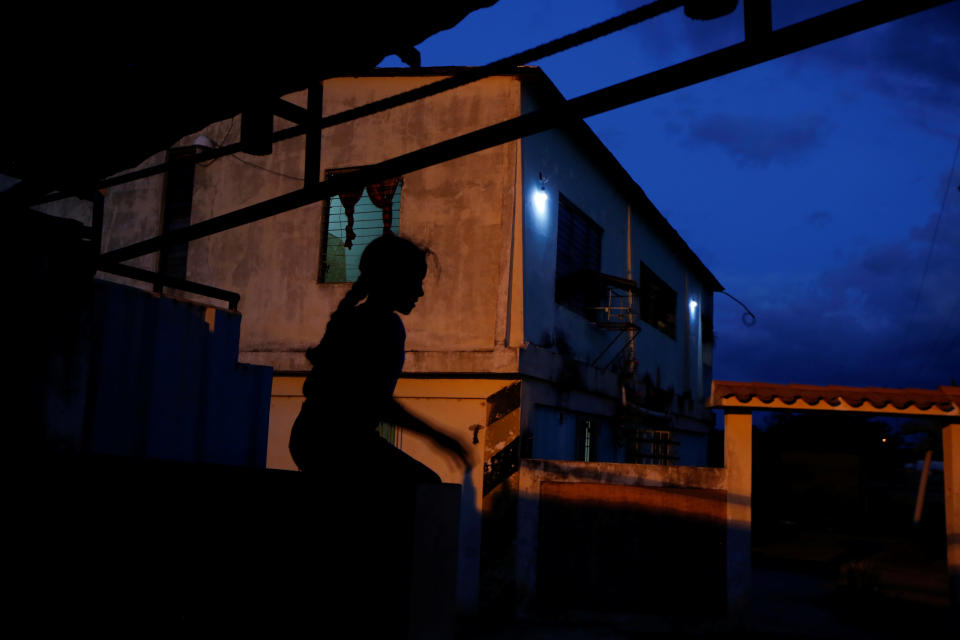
{"x": 355, "y": 370}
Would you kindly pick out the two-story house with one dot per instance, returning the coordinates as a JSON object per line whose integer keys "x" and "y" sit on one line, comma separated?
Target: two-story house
{"x": 563, "y": 317}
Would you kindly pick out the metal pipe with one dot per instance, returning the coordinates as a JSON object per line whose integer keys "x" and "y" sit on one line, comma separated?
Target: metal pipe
{"x": 311, "y": 151}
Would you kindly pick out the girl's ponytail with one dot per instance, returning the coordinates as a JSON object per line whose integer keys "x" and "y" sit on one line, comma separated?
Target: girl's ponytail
{"x": 350, "y": 300}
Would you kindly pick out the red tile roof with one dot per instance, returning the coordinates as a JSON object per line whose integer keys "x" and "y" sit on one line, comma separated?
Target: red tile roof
{"x": 945, "y": 398}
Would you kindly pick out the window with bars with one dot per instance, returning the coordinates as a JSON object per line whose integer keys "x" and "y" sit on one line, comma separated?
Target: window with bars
{"x": 650, "y": 446}
{"x": 578, "y": 256}
{"x": 658, "y": 302}
{"x": 586, "y": 447}
{"x": 391, "y": 433}
{"x": 353, "y": 220}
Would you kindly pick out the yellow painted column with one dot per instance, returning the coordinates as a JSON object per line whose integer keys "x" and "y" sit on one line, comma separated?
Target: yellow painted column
{"x": 738, "y": 463}
{"x": 951, "y": 482}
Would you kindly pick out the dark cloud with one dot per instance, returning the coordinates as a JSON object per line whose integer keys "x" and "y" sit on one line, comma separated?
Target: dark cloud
{"x": 758, "y": 140}
{"x": 914, "y": 58}
{"x": 865, "y": 324}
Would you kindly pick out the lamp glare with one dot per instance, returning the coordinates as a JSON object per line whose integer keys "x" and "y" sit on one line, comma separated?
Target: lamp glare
{"x": 540, "y": 200}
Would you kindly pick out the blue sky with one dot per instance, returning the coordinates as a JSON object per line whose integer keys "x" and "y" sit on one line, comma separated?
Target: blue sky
{"x": 811, "y": 185}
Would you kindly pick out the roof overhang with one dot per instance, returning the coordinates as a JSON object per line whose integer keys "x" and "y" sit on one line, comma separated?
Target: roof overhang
{"x": 943, "y": 402}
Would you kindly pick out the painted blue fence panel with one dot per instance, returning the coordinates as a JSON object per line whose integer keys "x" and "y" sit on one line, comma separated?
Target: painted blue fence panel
{"x": 165, "y": 384}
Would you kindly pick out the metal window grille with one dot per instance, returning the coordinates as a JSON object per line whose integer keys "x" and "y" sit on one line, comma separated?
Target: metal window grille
{"x": 586, "y": 446}
{"x": 651, "y": 446}
{"x": 578, "y": 252}
{"x": 658, "y": 446}
{"x": 391, "y": 433}
{"x": 340, "y": 263}
{"x": 658, "y": 302}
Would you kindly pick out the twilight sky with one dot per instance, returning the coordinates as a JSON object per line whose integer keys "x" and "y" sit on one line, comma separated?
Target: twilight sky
{"x": 811, "y": 185}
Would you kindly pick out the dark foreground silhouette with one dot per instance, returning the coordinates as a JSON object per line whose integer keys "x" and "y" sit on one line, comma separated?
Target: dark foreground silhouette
{"x": 349, "y": 392}
{"x": 369, "y": 486}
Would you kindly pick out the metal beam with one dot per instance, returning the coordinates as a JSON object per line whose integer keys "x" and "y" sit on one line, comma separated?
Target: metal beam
{"x": 230, "y": 297}
{"x": 96, "y": 226}
{"x": 796, "y": 37}
{"x": 506, "y": 65}
{"x": 757, "y": 19}
{"x": 294, "y": 113}
{"x": 203, "y": 155}
{"x": 311, "y": 145}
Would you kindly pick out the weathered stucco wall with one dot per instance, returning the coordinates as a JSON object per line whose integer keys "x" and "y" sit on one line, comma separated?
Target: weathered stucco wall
{"x": 131, "y": 212}
{"x": 460, "y": 210}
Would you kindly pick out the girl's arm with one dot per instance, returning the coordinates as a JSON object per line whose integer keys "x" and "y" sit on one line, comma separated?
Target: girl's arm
{"x": 394, "y": 413}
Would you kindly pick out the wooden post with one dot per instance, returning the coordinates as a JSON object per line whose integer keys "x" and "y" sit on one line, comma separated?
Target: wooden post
{"x": 951, "y": 485}
{"x": 922, "y": 491}
{"x": 738, "y": 462}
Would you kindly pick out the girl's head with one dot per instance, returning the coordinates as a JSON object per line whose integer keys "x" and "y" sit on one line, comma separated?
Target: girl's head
{"x": 391, "y": 276}
{"x": 392, "y": 270}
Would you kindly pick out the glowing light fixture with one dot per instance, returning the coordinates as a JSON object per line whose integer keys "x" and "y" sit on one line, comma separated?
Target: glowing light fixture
{"x": 540, "y": 196}
{"x": 693, "y": 307}
{"x": 540, "y": 199}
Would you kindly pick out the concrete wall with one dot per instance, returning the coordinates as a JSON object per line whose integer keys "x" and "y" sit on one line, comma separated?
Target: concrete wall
{"x": 577, "y": 170}
{"x": 562, "y": 430}
{"x": 572, "y": 169}
{"x": 462, "y": 210}
{"x": 132, "y": 212}
{"x": 631, "y": 535}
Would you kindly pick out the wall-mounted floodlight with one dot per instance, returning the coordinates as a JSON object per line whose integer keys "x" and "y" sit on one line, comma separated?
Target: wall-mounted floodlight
{"x": 540, "y": 200}
{"x": 205, "y": 142}
{"x": 540, "y": 196}
{"x": 693, "y": 307}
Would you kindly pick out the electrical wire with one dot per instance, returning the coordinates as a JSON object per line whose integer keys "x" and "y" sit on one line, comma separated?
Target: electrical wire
{"x": 220, "y": 143}
{"x": 257, "y": 166}
{"x": 926, "y": 263}
{"x": 937, "y": 352}
{"x": 748, "y": 318}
